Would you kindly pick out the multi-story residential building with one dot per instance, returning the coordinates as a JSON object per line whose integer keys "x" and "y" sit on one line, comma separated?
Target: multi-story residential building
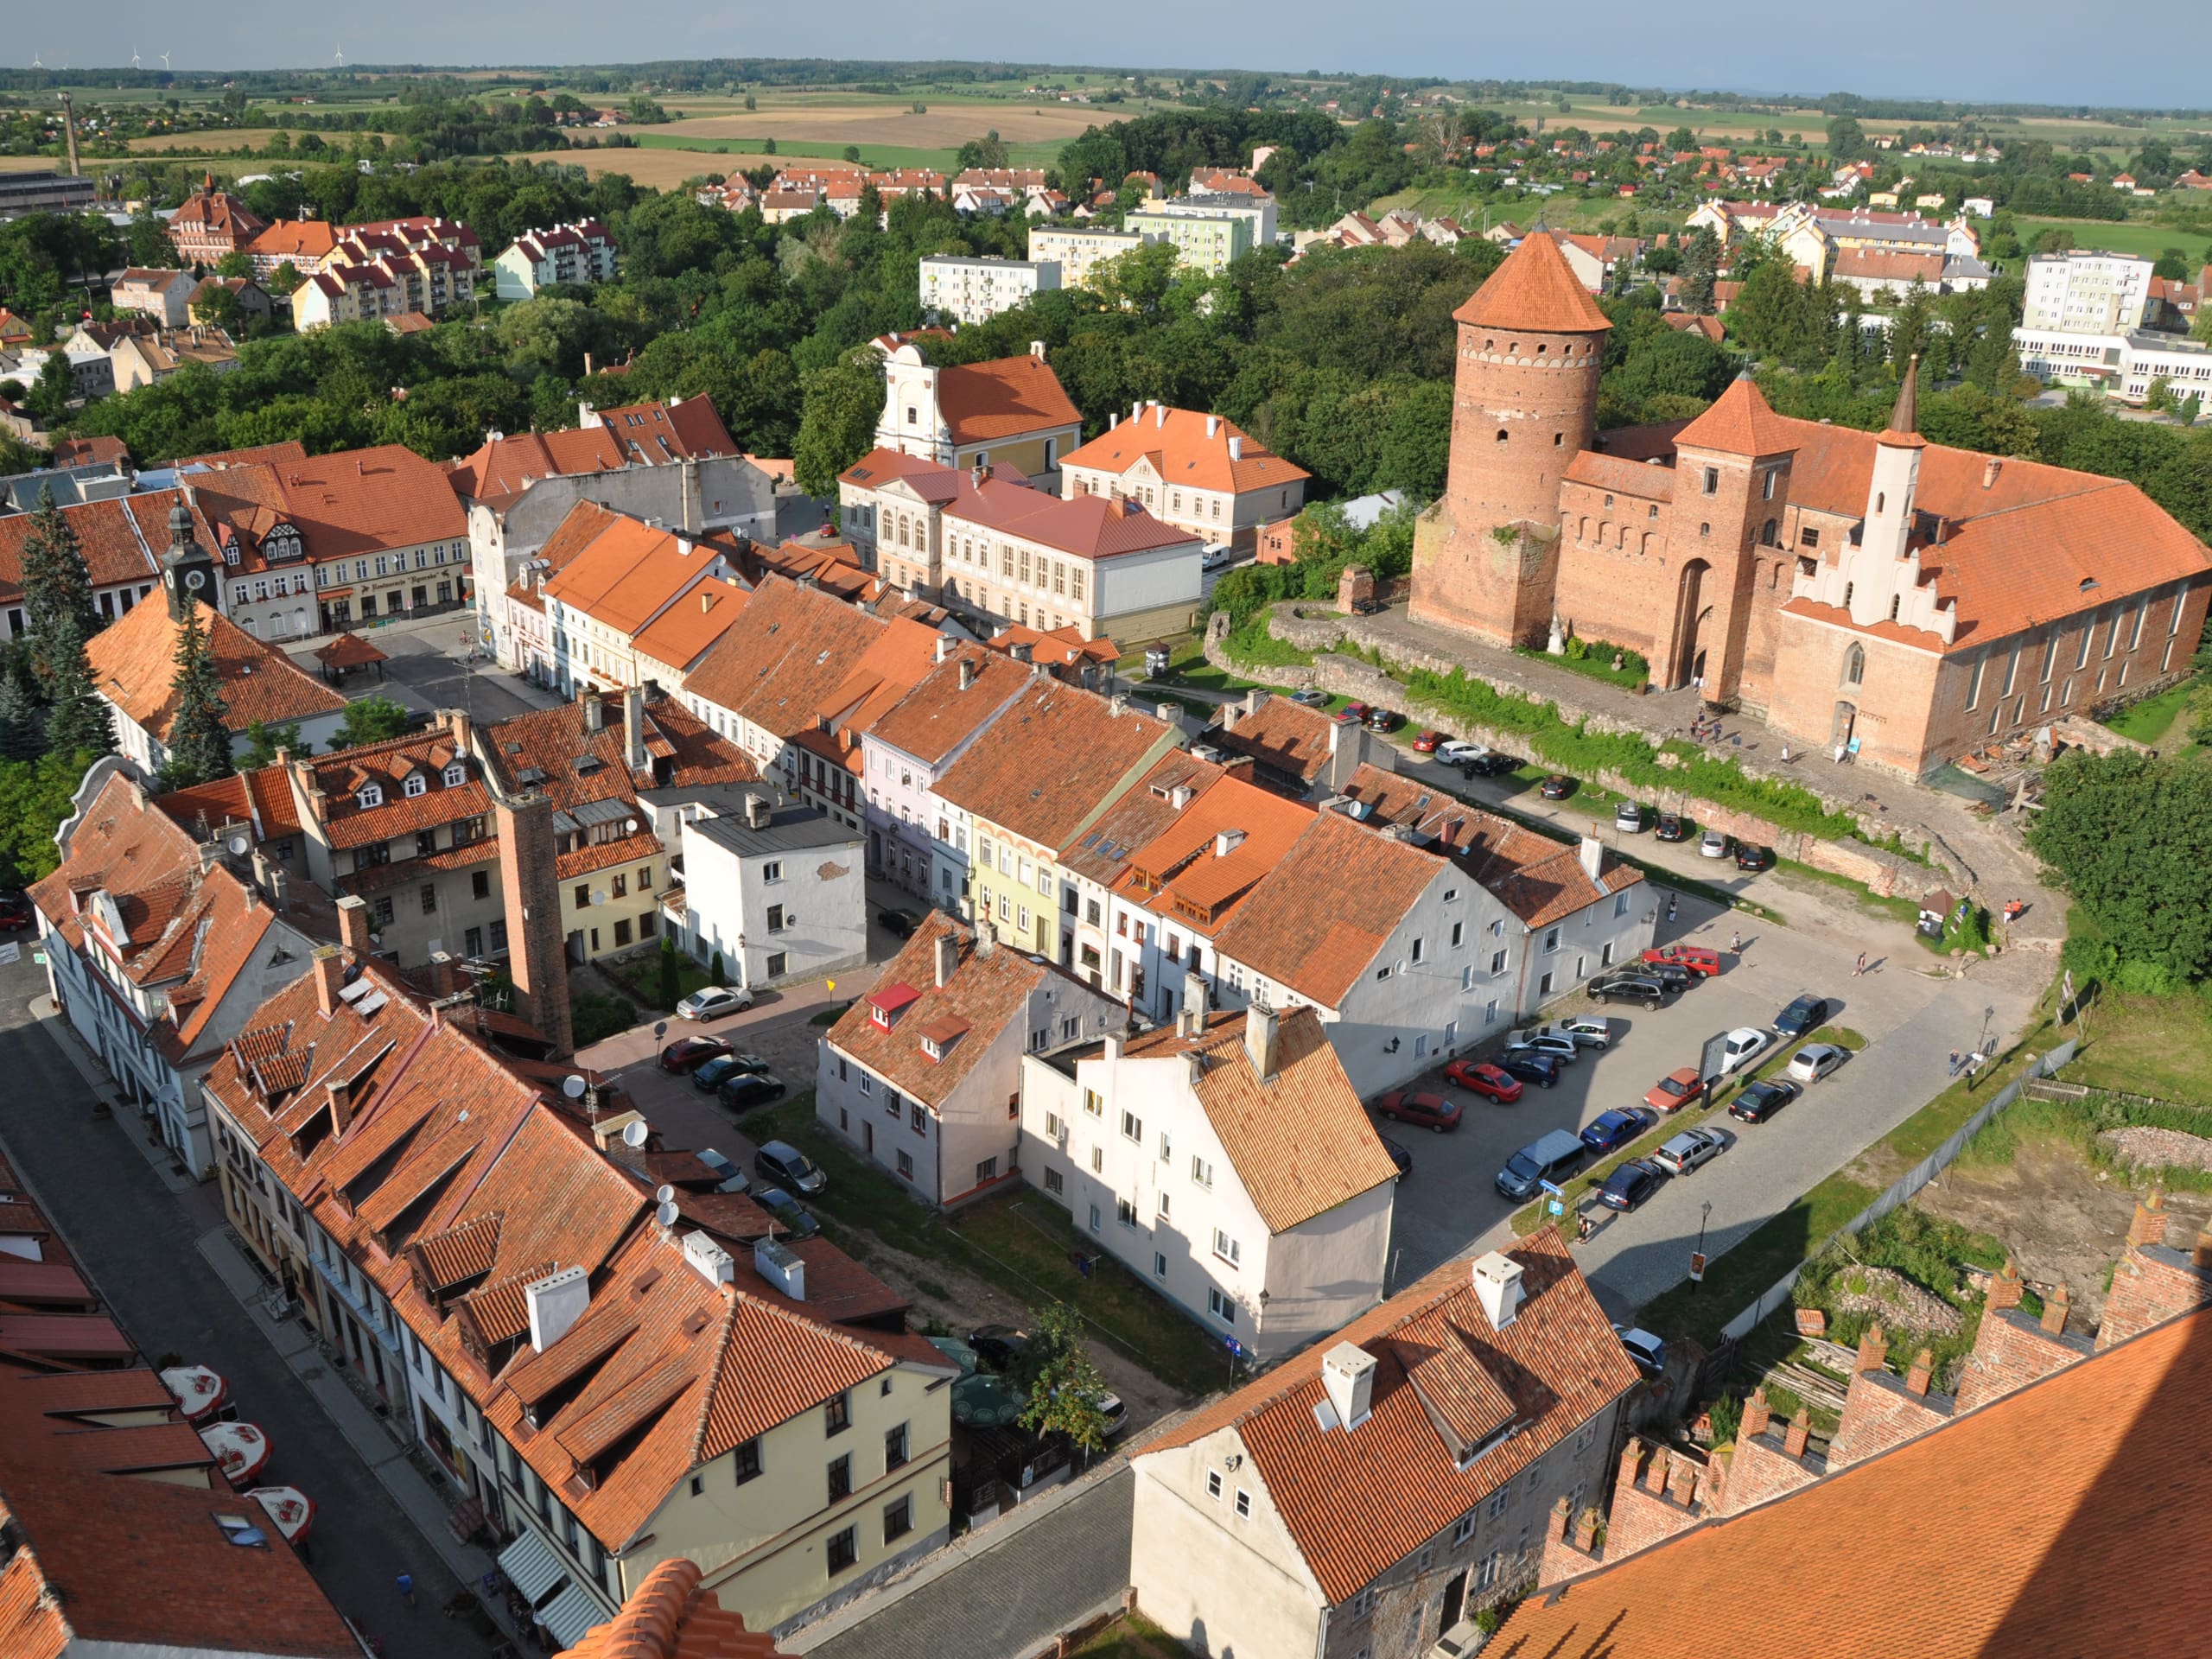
{"x": 2086, "y": 292}
{"x": 616, "y": 576}
{"x": 348, "y": 293}
{"x": 1195, "y": 471}
{"x": 120, "y": 538}
{"x": 975, "y": 290}
{"x": 923, "y": 1075}
{"x": 1029, "y": 784}
{"x": 1093, "y": 865}
{"x": 1206, "y": 231}
{"x": 1460, "y": 1411}
{"x": 157, "y": 949}
{"x": 614, "y": 1386}
{"x": 1079, "y": 253}
{"x": 145, "y": 359}
{"x": 162, "y": 295}
{"x": 567, "y": 254}
{"x": 1295, "y": 751}
{"x": 904, "y": 749}
{"x": 91, "y": 374}
{"x": 212, "y": 224}
{"x": 775, "y": 893}
{"x": 1011, "y": 410}
{"x": 1225, "y": 1161}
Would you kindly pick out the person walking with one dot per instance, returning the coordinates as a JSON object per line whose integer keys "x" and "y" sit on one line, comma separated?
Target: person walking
{"x": 1861, "y": 967}
{"x": 1673, "y": 905}
{"x": 407, "y": 1589}
{"x": 1736, "y": 943}
{"x": 1954, "y": 1062}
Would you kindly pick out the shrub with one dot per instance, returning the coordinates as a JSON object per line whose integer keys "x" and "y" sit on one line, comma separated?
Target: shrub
{"x": 1253, "y": 647}
{"x": 714, "y": 968}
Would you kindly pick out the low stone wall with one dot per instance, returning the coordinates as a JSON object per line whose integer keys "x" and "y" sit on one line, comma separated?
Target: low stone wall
{"x": 1882, "y": 871}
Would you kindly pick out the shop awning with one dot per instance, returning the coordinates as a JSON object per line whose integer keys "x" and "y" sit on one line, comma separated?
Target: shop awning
{"x": 571, "y": 1615}
{"x": 532, "y": 1567}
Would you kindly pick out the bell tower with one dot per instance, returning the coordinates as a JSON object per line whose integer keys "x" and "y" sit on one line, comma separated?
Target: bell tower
{"x": 187, "y": 572}
{"x": 1524, "y": 405}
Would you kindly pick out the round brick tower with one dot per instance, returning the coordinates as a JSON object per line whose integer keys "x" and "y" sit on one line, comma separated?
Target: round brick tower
{"x": 1524, "y": 405}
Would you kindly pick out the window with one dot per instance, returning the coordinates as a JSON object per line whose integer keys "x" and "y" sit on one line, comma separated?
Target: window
{"x": 1093, "y": 1102}
{"x": 371, "y": 795}
{"x": 918, "y": 1118}
{"x": 773, "y": 870}
{"x": 1243, "y": 1502}
{"x": 1463, "y": 1529}
{"x": 430, "y": 898}
{"x": 1500, "y": 1501}
{"x": 1213, "y": 1485}
{"x": 1132, "y": 1127}
{"x": 1544, "y": 986}
{"x": 898, "y": 1519}
{"x": 1094, "y": 1217}
{"x": 1201, "y": 1172}
{"x": 1712, "y": 480}
{"x": 1221, "y": 1305}
{"x": 1974, "y": 682}
{"x": 1226, "y": 1248}
{"x": 1055, "y": 1182}
{"x": 1098, "y": 1161}
{"x": 905, "y": 1165}
{"x": 1125, "y": 1211}
{"x": 479, "y": 884}
{"x": 1419, "y": 947}
{"x": 775, "y": 918}
{"x": 1551, "y": 940}
{"x": 383, "y": 905}
{"x": 780, "y": 963}
{"x": 583, "y": 895}
{"x": 1362, "y": 1604}
{"x": 838, "y": 1413}
{"x": 416, "y": 784}
{"x": 1158, "y": 1265}
{"x": 844, "y": 1550}
{"x": 841, "y": 1478}
{"x": 745, "y": 1460}
{"x": 618, "y": 884}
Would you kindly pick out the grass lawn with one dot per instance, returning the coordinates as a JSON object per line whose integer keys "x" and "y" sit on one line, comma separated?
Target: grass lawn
{"x": 2152, "y": 720}
{"x": 2149, "y": 240}
{"x": 1022, "y": 1241}
{"x": 2158, "y": 1045}
{"x": 1132, "y": 1637}
{"x": 640, "y": 977}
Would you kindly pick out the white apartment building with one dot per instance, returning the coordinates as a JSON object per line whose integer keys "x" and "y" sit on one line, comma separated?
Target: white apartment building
{"x": 2122, "y": 365}
{"x": 904, "y": 750}
{"x": 1226, "y": 1162}
{"x": 1079, "y": 253}
{"x": 1257, "y": 211}
{"x": 974, "y": 290}
{"x": 579, "y": 253}
{"x": 1196, "y": 471}
{"x": 780, "y": 893}
{"x": 2086, "y": 292}
{"x": 1206, "y": 241}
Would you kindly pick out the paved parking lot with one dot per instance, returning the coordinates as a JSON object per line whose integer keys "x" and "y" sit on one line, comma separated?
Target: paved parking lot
{"x": 1912, "y": 1022}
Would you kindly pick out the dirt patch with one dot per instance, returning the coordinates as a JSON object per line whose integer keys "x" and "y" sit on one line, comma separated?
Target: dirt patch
{"x": 1895, "y": 1301}
{"x": 2060, "y": 1218}
{"x": 2142, "y": 1149}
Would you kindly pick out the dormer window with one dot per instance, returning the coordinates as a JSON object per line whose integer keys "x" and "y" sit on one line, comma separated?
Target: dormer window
{"x": 416, "y": 785}
{"x": 371, "y": 795}
{"x": 455, "y": 775}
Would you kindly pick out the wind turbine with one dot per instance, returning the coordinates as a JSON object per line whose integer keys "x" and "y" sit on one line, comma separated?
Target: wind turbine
{"x": 134, "y": 57}
{"x": 340, "y": 54}
{"x": 165, "y": 63}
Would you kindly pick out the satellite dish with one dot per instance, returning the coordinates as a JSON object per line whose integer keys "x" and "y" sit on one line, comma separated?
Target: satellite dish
{"x": 240, "y": 846}
{"x": 634, "y": 1134}
{"x": 666, "y": 1214}
{"x": 599, "y": 895}
{"x": 573, "y": 1088}
{"x": 631, "y": 826}
{"x": 664, "y": 1195}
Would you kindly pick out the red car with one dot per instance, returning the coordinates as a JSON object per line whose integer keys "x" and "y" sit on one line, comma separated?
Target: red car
{"x": 1700, "y": 961}
{"x": 1676, "y": 1089}
{"x": 1427, "y": 742}
{"x": 689, "y": 1054}
{"x": 1404, "y": 1106}
{"x": 1485, "y": 1079}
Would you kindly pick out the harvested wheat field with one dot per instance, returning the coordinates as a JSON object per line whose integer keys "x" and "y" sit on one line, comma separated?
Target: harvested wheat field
{"x": 657, "y": 170}
{"x": 845, "y": 118}
{"x": 229, "y": 140}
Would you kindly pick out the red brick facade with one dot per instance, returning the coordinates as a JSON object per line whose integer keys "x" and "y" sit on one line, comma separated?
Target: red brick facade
{"x": 1764, "y": 1466}
{"x": 2152, "y": 1285}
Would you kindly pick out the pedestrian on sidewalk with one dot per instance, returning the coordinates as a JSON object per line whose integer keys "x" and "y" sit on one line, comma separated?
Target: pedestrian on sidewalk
{"x": 407, "y": 1589}
{"x": 1861, "y": 968}
{"x": 1954, "y": 1062}
{"x": 1736, "y": 943}
{"x": 1674, "y": 904}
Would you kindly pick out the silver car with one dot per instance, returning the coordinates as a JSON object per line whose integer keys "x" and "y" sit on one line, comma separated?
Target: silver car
{"x": 1562, "y": 1049}
{"x": 1685, "y": 1151}
{"x": 1712, "y": 844}
{"x": 1814, "y": 1061}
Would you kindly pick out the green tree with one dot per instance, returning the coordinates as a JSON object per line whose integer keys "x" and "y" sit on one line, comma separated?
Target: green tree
{"x": 198, "y": 739}
{"x": 2131, "y": 838}
{"x": 78, "y": 722}
{"x": 372, "y": 719}
{"x": 22, "y": 725}
{"x": 263, "y": 741}
{"x": 57, "y": 597}
{"x": 1701, "y": 269}
{"x": 1065, "y": 1389}
{"x": 34, "y": 798}
{"x": 2172, "y": 264}
{"x": 49, "y": 396}
{"x": 843, "y": 404}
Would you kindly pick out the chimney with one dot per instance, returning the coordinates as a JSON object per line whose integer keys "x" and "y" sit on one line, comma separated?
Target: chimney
{"x": 1592, "y": 856}
{"x": 1655, "y": 1472}
{"x": 945, "y": 646}
{"x": 987, "y": 941}
{"x": 1923, "y": 1367}
{"x": 1348, "y": 1378}
{"x": 967, "y": 672}
{"x": 1561, "y": 1521}
{"x": 339, "y": 1092}
{"x": 1585, "y": 1531}
{"x": 1158, "y": 416}
{"x": 1757, "y": 1414}
{"x": 1136, "y": 410}
{"x": 530, "y": 887}
{"x": 1113, "y": 1051}
{"x": 1037, "y": 350}
{"x": 634, "y": 727}
{"x": 329, "y": 975}
{"x": 1237, "y": 446}
{"x": 1873, "y": 1350}
{"x": 1213, "y": 428}
{"x": 2055, "y": 1310}
{"x": 2004, "y": 1284}
{"x": 2149, "y": 1226}
{"x": 1681, "y": 1479}
{"x": 463, "y": 729}
{"x": 1800, "y": 1430}
{"x": 1113, "y": 420}
{"x": 1262, "y": 1040}
{"x": 692, "y": 516}
{"x": 556, "y": 1303}
{"x": 353, "y": 927}
{"x": 583, "y": 410}
{"x": 947, "y": 952}
{"x": 1497, "y": 1283}
{"x": 1989, "y": 471}
{"x": 757, "y": 811}
{"x": 782, "y": 1267}
{"x": 1227, "y": 842}
{"x": 1197, "y": 999}
{"x": 595, "y": 716}
{"x": 709, "y": 1259}
{"x": 1179, "y": 797}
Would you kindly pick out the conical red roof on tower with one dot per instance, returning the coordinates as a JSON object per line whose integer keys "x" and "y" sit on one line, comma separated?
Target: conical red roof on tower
{"x": 1740, "y": 423}
{"x": 1536, "y": 290}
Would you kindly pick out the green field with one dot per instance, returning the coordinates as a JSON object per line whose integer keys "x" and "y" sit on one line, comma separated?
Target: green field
{"x": 2149, "y": 240}
{"x": 879, "y": 157}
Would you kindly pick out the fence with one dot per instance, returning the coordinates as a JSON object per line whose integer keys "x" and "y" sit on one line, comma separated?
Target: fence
{"x": 1917, "y": 1177}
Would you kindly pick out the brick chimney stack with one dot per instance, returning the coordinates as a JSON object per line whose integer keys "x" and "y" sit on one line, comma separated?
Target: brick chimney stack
{"x": 1757, "y": 1414}
{"x": 1800, "y": 1430}
{"x": 1681, "y": 1479}
{"x": 2149, "y": 1226}
{"x": 1923, "y": 1367}
{"x": 1585, "y": 1530}
{"x": 2005, "y": 1286}
{"x": 1873, "y": 1350}
{"x": 329, "y": 976}
{"x": 2055, "y": 1310}
{"x": 354, "y": 927}
{"x": 1632, "y": 1460}
{"x": 1562, "y": 1517}
{"x": 1655, "y": 1472}
{"x": 537, "y": 959}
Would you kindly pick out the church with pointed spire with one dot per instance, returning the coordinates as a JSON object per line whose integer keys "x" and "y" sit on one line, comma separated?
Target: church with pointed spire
{"x": 1871, "y": 594}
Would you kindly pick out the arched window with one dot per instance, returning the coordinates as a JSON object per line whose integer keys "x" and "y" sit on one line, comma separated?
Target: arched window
{"x": 1582, "y": 529}
{"x": 1767, "y": 534}
{"x": 1854, "y": 665}
{"x": 1501, "y": 434}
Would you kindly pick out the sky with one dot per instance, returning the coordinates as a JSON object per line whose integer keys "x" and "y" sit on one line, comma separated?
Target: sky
{"x": 2025, "y": 50}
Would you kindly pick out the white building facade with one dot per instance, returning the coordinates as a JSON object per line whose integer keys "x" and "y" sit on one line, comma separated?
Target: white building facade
{"x": 974, "y": 290}
{"x": 779, "y": 893}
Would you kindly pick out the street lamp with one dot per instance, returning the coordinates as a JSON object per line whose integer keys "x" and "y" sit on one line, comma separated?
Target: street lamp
{"x": 1697, "y": 1257}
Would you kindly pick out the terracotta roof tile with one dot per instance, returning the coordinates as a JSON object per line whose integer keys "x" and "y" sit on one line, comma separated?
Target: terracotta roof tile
{"x": 938, "y": 714}
{"x": 1218, "y": 848}
{"x": 1096, "y": 745}
{"x": 1183, "y": 452}
{"x": 1005, "y": 398}
{"x": 133, "y": 662}
{"x": 787, "y": 653}
{"x": 629, "y": 571}
{"x": 687, "y": 629}
{"x": 668, "y": 1616}
{"x": 386, "y": 767}
{"x": 1535, "y": 291}
{"x": 1136, "y": 815}
{"x": 1741, "y": 422}
{"x": 1284, "y": 736}
{"x": 985, "y": 990}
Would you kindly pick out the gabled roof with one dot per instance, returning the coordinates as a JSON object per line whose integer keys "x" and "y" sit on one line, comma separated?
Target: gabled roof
{"x": 2015, "y": 1529}
{"x": 133, "y": 662}
{"x": 1094, "y": 745}
{"x": 1535, "y": 291}
{"x": 628, "y": 570}
{"x": 988, "y": 989}
{"x": 1741, "y": 422}
{"x": 1281, "y": 735}
{"x": 1008, "y": 397}
{"x": 356, "y": 501}
{"x": 121, "y": 540}
{"x": 789, "y": 651}
{"x": 939, "y": 713}
{"x": 1358, "y": 1501}
{"x": 670, "y": 1617}
{"x": 342, "y": 776}
{"x": 655, "y": 435}
{"x": 1206, "y": 858}
{"x": 1184, "y": 453}
{"x": 683, "y": 632}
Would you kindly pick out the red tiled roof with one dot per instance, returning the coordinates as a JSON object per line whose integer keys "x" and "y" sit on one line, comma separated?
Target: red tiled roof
{"x": 786, "y": 655}
{"x": 1183, "y": 873}
{"x": 1089, "y": 526}
{"x": 133, "y": 664}
{"x": 987, "y": 991}
{"x": 1183, "y": 452}
{"x": 1095, "y": 744}
{"x": 670, "y": 1617}
{"x": 1741, "y": 422}
{"x": 262, "y": 797}
{"x": 1536, "y": 291}
{"x": 1008, "y": 397}
{"x": 343, "y": 776}
{"x": 120, "y": 539}
{"x": 683, "y": 632}
{"x": 938, "y": 715}
{"x": 1286, "y": 736}
{"x": 356, "y": 501}
{"x": 628, "y": 571}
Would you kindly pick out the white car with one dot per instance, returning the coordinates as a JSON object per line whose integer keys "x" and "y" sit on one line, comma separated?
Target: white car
{"x": 713, "y": 1002}
{"x": 1712, "y": 844}
{"x": 1458, "y": 752}
{"x": 1563, "y": 1049}
{"x": 1814, "y": 1061}
{"x": 1685, "y": 1151}
{"x": 1590, "y": 1031}
{"x": 1744, "y": 1044}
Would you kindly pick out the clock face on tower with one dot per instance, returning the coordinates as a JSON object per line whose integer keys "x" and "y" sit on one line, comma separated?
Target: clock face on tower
{"x": 195, "y": 580}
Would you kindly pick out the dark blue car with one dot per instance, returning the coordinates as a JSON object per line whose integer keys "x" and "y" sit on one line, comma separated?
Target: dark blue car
{"x": 1613, "y": 1130}
{"x": 1530, "y": 1067}
{"x": 1629, "y": 1185}
{"x": 1801, "y": 1016}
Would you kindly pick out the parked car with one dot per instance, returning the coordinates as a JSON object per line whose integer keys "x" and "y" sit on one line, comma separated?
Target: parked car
{"x": 787, "y": 1165}
{"x": 1646, "y": 989}
{"x": 749, "y": 1088}
{"x": 1562, "y": 1049}
{"x": 1801, "y": 1016}
{"x": 1696, "y": 959}
{"x": 719, "y": 1070}
{"x": 1610, "y": 1129}
{"x": 18, "y": 915}
{"x": 1428, "y": 743}
{"x": 1458, "y": 752}
{"x": 1400, "y": 1154}
{"x": 1762, "y": 1100}
{"x": 1217, "y": 558}
{"x": 1646, "y": 1349}
{"x": 787, "y": 1212}
{"x": 1814, "y": 1061}
{"x": 1001, "y": 1349}
{"x": 1556, "y": 787}
{"x": 899, "y": 921}
{"x": 1484, "y": 1078}
{"x": 1352, "y": 713}
{"x": 729, "y": 1177}
{"x": 1628, "y": 816}
{"x": 1368, "y": 607}
{"x": 1425, "y": 1111}
{"x": 1542, "y": 1069}
{"x": 1629, "y": 1185}
{"x": 1672, "y": 975}
{"x": 1381, "y": 720}
{"x": 1744, "y": 1044}
{"x": 713, "y": 1002}
{"x": 1310, "y": 697}
{"x": 1678, "y": 1089}
{"x": 1587, "y": 1030}
{"x": 1552, "y": 1157}
{"x": 1751, "y": 857}
{"x": 1671, "y": 827}
{"x": 1712, "y": 844}
{"x": 1680, "y": 1154}
{"x": 689, "y": 1054}
{"x": 1489, "y": 764}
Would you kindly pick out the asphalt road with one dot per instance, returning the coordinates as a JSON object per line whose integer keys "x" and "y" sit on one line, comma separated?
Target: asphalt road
{"x": 137, "y": 1244}
{"x": 427, "y": 670}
